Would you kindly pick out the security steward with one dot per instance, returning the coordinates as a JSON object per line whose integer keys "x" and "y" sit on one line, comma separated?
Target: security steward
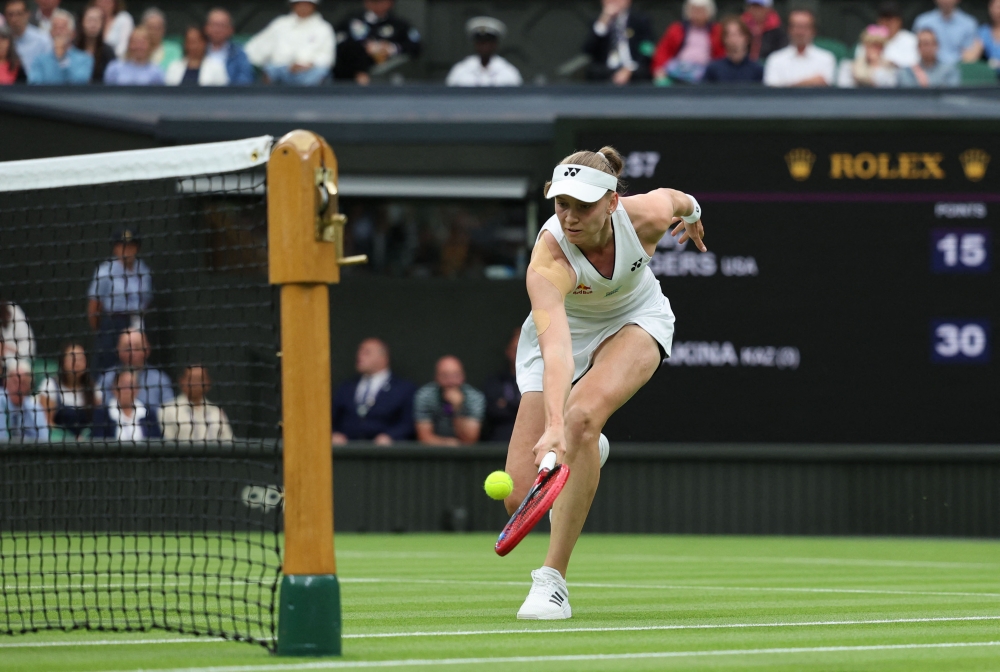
{"x": 119, "y": 295}
{"x": 371, "y": 38}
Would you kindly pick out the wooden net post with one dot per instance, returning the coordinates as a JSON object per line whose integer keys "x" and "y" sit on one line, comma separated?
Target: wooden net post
{"x": 305, "y": 251}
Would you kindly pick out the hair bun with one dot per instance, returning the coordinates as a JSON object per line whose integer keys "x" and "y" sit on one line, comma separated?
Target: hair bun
{"x": 614, "y": 159}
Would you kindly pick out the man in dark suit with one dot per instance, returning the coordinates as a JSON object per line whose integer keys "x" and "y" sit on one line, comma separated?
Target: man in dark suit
{"x": 375, "y": 406}
{"x": 621, "y": 44}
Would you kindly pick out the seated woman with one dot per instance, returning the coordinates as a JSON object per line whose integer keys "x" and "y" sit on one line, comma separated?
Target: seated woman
{"x": 70, "y": 397}
{"x": 869, "y": 66}
{"x": 11, "y": 70}
{"x": 987, "y": 44}
{"x": 125, "y": 418}
{"x": 688, "y": 46}
{"x": 195, "y": 69}
{"x": 136, "y": 69}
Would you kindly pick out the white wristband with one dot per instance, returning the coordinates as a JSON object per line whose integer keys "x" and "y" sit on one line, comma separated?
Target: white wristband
{"x": 695, "y": 214}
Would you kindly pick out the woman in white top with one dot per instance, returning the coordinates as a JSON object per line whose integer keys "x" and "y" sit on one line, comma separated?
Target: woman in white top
{"x": 70, "y": 397}
{"x": 598, "y": 330}
{"x": 118, "y": 25}
{"x": 195, "y": 69}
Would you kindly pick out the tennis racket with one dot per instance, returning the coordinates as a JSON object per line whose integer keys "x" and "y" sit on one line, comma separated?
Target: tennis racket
{"x": 547, "y": 486}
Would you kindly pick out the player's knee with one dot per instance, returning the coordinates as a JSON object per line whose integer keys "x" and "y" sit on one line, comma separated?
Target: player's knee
{"x": 581, "y": 427}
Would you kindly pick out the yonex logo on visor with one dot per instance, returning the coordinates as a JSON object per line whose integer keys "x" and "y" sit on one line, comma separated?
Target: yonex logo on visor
{"x": 571, "y": 172}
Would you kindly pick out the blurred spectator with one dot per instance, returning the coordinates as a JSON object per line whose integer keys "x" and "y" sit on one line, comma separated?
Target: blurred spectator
{"x": 125, "y": 417}
{"x": 64, "y": 64}
{"x": 219, "y": 30}
{"x": 375, "y": 406}
{"x": 870, "y": 67}
{"x": 136, "y": 69}
{"x": 119, "y": 294}
{"x": 621, "y": 44}
{"x": 118, "y": 25}
{"x": 21, "y": 417}
{"x": 29, "y": 41}
{"x": 70, "y": 397}
{"x": 987, "y": 44}
{"x": 954, "y": 29}
{"x": 154, "y": 386}
{"x": 17, "y": 339}
{"x": 503, "y": 396}
{"x": 736, "y": 66}
{"x": 448, "y": 411}
{"x": 767, "y": 35}
{"x": 801, "y": 63}
{"x": 162, "y": 54}
{"x": 90, "y": 39}
{"x": 43, "y": 14}
{"x": 901, "y": 47}
{"x": 196, "y": 69}
{"x": 929, "y": 72}
{"x": 297, "y": 48}
{"x": 688, "y": 46}
{"x": 11, "y": 70}
{"x": 485, "y": 68}
{"x": 373, "y": 37}
{"x": 192, "y": 417}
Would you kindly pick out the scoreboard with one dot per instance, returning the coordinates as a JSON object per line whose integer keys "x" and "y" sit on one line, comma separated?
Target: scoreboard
{"x": 849, "y": 293}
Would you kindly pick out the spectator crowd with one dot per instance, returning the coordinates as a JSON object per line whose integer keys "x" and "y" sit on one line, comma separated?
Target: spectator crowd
{"x": 378, "y": 406}
{"x": 116, "y": 395}
{"x": 42, "y": 43}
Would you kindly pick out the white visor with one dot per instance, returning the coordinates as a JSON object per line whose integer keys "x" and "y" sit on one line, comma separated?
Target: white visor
{"x": 582, "y": 183}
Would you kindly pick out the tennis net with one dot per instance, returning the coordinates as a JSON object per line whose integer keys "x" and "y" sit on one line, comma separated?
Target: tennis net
{"x": 139, "y": 462}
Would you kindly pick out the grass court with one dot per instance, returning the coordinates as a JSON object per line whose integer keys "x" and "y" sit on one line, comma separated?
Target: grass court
{"x": 448, "y": 602}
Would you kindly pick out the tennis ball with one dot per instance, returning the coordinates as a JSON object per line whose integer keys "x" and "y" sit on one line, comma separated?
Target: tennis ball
{"x": 499, "y": 484}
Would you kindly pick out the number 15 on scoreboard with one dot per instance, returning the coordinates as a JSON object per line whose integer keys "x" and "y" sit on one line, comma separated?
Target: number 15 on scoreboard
{"x": 960, "y": 250}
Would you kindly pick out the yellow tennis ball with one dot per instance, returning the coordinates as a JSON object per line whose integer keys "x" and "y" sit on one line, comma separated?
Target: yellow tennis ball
{"x": 499, "y": 484}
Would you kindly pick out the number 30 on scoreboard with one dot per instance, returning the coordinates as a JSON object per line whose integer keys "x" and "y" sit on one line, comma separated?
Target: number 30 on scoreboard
{"x": 960, "y": 250}
{"x": 960, "y": 341}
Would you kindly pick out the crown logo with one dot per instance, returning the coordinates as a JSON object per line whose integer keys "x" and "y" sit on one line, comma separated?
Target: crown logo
{"x": 800, "y": 163}
{"x": 974, "y": 162}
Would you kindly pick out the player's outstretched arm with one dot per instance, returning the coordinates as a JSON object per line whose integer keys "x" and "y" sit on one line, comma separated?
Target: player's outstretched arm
{"x": 549, "y": 280}
{"x": 654, "y": 214}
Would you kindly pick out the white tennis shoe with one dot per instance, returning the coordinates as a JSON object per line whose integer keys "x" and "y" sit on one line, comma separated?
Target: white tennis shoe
{"x": 605, "y": 447}
{"x": 548, "y": 599}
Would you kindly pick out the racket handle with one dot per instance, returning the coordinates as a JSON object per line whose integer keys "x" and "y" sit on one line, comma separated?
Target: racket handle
{"x": 548, "y": 462}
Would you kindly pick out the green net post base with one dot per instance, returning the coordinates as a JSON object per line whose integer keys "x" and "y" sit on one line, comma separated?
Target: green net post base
{"x": 309, "y": 616}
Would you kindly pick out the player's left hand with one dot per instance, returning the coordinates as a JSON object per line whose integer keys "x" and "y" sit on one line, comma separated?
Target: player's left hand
{"x": 693, "y": 232}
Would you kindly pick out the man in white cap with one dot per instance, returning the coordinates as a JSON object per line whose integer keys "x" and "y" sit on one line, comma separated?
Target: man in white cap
{"x": 485, "y": 68}
{"x": 297, "y": 48}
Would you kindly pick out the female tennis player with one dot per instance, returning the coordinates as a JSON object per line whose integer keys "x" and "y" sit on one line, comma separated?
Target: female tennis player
{"x": 598, "y": 330}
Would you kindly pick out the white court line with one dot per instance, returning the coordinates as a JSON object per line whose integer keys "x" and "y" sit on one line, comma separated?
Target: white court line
{"x": 423, "y": 662}
{"x": 113, "y": 642}
{"x": 647, "y": 628}
{"x": 613, "y": 586}
{"x": 641, "y": 586}
{"x": 534, "y": 631}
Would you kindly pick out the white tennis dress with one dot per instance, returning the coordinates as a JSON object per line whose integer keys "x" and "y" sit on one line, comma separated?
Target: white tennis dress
{"x": 599, "y": 307}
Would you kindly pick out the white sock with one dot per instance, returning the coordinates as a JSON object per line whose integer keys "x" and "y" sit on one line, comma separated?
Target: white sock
{"x": 551, "y": 573}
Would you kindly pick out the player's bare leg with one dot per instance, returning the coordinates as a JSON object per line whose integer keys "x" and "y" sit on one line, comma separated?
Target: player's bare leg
{"x": 622, "y": 365}
{"x": 528, "y": 428}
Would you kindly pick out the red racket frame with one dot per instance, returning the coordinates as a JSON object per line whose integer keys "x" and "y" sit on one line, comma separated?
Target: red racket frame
{"x": 541, "y": 497}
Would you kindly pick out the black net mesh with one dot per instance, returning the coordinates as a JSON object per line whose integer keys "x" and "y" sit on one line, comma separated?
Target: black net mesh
{"x": 139, "y": 464}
